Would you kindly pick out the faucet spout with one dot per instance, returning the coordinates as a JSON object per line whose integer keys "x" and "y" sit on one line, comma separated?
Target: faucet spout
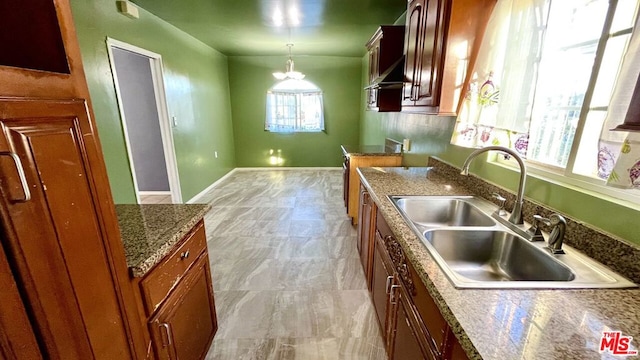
{"x": 516, "y": 214}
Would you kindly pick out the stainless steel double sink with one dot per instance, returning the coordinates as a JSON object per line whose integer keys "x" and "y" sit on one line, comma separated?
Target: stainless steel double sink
{"x": 476, "y": 251}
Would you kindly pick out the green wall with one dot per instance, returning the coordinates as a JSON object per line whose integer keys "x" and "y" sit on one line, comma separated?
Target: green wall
{"x": 430, "y": 135}
{"x": 251, "y": 76}
{"x": 196, "y": 82}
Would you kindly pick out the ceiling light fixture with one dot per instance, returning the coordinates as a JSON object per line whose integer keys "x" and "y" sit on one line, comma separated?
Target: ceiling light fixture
{"x": 290, "y": 72}
{"x": 277, "y": 18}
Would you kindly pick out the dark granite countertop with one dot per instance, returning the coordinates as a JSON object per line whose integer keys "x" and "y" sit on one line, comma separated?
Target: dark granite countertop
{"x": 149, "y": 232}
{"x": 370, "y": 150}
{"x": 504, "y": 323}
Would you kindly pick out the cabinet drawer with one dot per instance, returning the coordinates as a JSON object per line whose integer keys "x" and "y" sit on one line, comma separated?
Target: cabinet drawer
{"x": 163, "y": 277}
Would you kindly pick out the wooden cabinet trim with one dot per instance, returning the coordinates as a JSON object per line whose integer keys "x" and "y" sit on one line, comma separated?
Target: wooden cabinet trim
{"x": 435, "y": 30}
{"x": 420, "y": 307}
{"x": 354, "y": 179}
{"x": 24, "y": 118}
{"x": 166, "y": 348}
{"x": 166, "y": 275}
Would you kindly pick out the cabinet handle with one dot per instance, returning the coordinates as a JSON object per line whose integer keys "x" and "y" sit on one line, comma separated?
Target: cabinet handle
{"x": 23, "y": 179}
{"x": 414, "y": 92}
{"x": 184, "y": 255}
{"x": 168, "y": 333}
{"x": 392, "y": 295}
{"x": 386, "y": 287}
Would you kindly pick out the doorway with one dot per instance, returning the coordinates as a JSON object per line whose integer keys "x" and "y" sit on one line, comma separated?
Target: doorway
{"x": 138, "y": 76}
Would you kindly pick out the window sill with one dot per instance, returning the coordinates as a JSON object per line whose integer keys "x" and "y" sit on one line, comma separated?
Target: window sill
{"x": 614, "y": 195}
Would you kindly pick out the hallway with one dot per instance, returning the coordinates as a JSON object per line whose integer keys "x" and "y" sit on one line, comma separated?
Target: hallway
{"x": 286, "y": 273}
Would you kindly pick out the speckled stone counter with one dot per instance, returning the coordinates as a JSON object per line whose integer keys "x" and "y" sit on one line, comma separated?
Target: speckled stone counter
{"x": 149, "y": 232}
{"x": 504, "y": 323}
{"x": 369, "y": 150}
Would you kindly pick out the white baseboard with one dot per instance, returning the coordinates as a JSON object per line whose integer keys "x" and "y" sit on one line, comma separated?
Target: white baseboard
{"x": 201, "y": 193}
{"x": 286, "y": 168}
{"x": 142, "y": 193}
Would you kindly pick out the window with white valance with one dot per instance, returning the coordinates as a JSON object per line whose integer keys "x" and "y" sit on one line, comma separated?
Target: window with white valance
{"x": 543, "y": 84}
{"x": 294, "y": 106}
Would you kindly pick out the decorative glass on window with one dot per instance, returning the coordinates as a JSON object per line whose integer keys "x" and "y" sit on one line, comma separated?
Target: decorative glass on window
{"x": 294, "y": 106}
{"x": 543, "y": 81}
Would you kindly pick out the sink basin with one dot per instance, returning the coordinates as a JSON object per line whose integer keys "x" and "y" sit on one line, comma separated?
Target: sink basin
{"x": 434, "y": 211}
{"x": 476, "y": 251}
{"x": 495, "y": 255}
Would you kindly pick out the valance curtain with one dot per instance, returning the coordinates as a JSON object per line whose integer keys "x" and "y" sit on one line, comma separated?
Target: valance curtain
{"x": 619, "y": 151}
{"x": 498, "y": 104}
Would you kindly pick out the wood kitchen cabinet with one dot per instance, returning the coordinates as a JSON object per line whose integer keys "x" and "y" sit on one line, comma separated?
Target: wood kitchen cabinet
{"x": 64, "y": 271}
{"x": 384, "y": 90}
{"x": 54, "y": 229}
{"x": 185, "y": 324}
{"x": 411, "y": 323}
{"x": 176, "y": 296}
{"x": 366, "y": 232}
{"x": 442, "y": 40}
{"x": 363, "y": 157}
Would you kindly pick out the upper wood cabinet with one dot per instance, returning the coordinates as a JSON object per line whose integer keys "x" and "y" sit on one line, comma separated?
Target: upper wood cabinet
{"x": 40, "y": 56}
{"x": 385, "y": 63}
{"x": 442, "y": 39}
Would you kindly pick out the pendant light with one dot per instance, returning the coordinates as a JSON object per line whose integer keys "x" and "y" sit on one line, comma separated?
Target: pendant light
{"x": 290, "y": 72}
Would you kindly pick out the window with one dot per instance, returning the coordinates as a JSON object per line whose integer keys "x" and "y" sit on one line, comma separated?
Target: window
{"x": 547, "y": 70}
{"x": 580, "y": 61}
{"x": 294, "y": 106}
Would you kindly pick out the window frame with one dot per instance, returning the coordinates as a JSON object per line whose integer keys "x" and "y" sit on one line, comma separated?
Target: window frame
{"x": 298, "y": 94}
{"x": 566, "y": 175}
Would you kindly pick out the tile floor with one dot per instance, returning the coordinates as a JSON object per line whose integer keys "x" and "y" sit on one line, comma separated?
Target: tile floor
{"x": 155, "y": 199}
{"x": 286, "y": 273}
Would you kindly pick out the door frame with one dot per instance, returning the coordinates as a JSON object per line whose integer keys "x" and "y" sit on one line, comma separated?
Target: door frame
{"x": 157, "y": 74}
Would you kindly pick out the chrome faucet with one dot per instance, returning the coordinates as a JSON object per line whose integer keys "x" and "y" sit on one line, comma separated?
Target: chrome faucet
{"x": 557, "y": 234}
{"x": 556, "y": 238}
{"x": 516, "y": 214}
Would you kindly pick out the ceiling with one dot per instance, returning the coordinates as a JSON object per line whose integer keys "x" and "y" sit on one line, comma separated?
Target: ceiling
{"x": 264, "y": 27}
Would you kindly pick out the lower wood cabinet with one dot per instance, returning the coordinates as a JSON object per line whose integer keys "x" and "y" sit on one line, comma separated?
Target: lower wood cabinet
{"x": 383, "y": 278}
{"x": 356, "y": 161}
{"x": 176, "y": 298}
{"x": 406, "y": 341}
{"x": 184, "y": 325}
{"x": 410, "y": 321}
{"x": 366, "y": 217}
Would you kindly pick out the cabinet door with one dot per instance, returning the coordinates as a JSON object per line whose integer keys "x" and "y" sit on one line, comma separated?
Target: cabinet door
{"x": 405, "y": 340}
{"x": 382, "y": 279}
{"x": 413, "y": 49}
{"x": 17, "y": 339}
{"x": 374, "y": 61}
{"x": 55, "y": 240}
{"x": 364, "y": 232}
{"x": 424, "y": 52}
{"x": 185, "y": 324}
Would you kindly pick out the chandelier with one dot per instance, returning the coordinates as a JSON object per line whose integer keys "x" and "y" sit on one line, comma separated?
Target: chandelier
{"x": 290, "y": 72}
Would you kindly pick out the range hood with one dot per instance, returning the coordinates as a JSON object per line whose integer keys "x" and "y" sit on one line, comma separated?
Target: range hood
{"x": 392, "y": 78}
